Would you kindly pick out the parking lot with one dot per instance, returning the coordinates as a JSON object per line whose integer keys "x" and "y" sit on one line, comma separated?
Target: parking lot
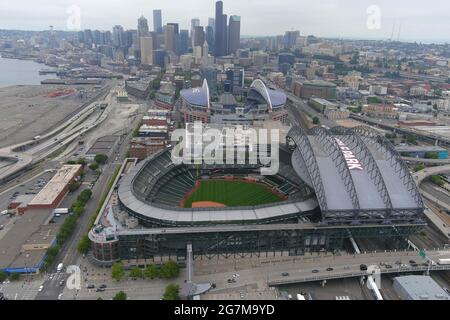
{"x": 93, "y": 278}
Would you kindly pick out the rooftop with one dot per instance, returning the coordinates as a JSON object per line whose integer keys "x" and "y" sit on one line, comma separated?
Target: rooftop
{"x": 56, "y": 185}
{"x": 421, "y": 288}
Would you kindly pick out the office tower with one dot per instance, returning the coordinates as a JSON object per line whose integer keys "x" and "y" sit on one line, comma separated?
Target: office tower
{"x": 183, "y": 46}
{"x": 129, "y": 38}
{"x": 157, "y": 21}
{"x": 209, "y": 36}
{"x": 159, "y": 58}
{"x": 108, "y": 37}
{"x": 88, "y": 38}
{"x": 175, "y": 26}
{"x": 212, "y": 23}
{"x": 117, "y": 36}
{"x": 194, "y": 23}
{"x": 221, "y": 31}
{"x": 98, "y": 39}
{"x": 236, "y": 78}
{"x": 290, "y": 38}
{"x": 146, "y": 44}
{"x": 234, "y": 34}
{"x": 143, "y": 27}
{"x": 170, "y": 37}
{"x": 199, "y": 36}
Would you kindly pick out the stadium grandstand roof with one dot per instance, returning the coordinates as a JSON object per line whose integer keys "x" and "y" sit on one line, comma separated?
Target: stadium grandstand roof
{"x": 273, "y": 98}
{"x": 357, "y": 175}
{"x": 197, "y": 96}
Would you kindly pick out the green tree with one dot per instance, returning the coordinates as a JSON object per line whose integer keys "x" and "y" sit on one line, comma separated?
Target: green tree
{"x": 169, "y": 270}
{"x": 15, "y": 276}
{"x": 73, "y": 186}
{"x": 93, "y": 166}
{"x": 2, "y": 275}
{"x": 151, "y": 272}
{"x": 120, "y": 296}
{"x": 117, "y": 271}
{"x": 316, "y": 121}
{"x": 82, "y": 161}
{"x": 136, "y": 273}
{"x": 84, "y": 196}
{"x": 84, "y": 245}
{"x": 431, "y": 155}
{"x": 172, "y": 292}
{"x": 374, "y": 100}
{"x": 437, "y": 180}
{"x": 101, "y": 158}
{"x": 411, "y": 139}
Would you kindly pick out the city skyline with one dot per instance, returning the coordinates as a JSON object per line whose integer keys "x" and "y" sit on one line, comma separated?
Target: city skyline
{"x": 416, "y": 22}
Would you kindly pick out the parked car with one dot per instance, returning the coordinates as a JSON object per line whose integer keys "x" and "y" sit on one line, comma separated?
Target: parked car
{"x": 315, "y": 271}
{"x": 285, "y": 274}
{"x": 90, "y": 286}
{"x": 363, "y": 267}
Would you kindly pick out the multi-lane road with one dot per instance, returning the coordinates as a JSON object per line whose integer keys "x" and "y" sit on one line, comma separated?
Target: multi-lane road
{"x": 69, "y": 254}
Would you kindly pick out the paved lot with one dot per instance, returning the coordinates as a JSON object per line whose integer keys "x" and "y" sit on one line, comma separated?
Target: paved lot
{"x": 25, "y": 289}
{"x": 135, "y": 289}
{"x": 335, "y": 288}
{"x": 27, "y": 111}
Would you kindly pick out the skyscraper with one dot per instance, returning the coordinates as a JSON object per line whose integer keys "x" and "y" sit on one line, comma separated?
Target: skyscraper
{"x": 170, "y": 37}
{"x": 183, "y": 46}
{"x": 157, "y": 21}
{"x": 146, "y": 44}
{"x": 290, "y": 38}
{"x": 199, "y": 36}
{"x": 234, "y": 34}
{"x": 117, "y": 36}
{"x": 221, "y": 31}
{"x": 212, "y": 23}
{"x": 194, "y": 23}
{"x": 142, "y": 27}
{"x": 209, "y": 36}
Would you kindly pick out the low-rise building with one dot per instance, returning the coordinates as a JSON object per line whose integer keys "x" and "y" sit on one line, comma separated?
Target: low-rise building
{"x": 381, "y": 111}
{"x": 143, "y": 147}
{"x": 55, "y": 190}
{"x": 316, "y": 88}
{"x": 419, "y": 288}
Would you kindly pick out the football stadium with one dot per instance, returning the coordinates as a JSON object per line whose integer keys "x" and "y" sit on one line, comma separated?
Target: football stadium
{"x": 332, "y": 185}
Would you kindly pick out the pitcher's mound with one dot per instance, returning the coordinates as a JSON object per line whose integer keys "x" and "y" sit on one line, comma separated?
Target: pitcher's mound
{"x": 207, "y": 204}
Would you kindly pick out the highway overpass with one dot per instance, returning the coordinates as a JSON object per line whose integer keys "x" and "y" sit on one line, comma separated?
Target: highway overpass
{"x": 431, "y": 138}
{"x": 427, "y": 161}
{"x": 348, "y": 266}
{"x": 421, "y": 175}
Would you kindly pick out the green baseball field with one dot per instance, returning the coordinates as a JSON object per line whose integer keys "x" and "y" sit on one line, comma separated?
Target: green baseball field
{"x": 232, "y": 194}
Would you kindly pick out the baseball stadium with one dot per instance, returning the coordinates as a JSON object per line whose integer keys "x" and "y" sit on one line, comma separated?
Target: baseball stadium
{"x": 332, "y": 185}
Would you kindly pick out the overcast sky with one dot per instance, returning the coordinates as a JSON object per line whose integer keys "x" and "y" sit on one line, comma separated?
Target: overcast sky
{"x": 420, "y": 20}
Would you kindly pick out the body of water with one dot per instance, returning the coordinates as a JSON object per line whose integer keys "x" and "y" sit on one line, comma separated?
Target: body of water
{"x": 21, "y": 72}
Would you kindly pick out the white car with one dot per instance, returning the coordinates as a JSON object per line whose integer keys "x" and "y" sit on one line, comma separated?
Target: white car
{"x": 60, "y": 296}
{"x": 41, "y": 288}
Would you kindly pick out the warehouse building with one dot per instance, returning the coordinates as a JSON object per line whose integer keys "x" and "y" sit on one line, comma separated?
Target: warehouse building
{"x": 419, "y": 288}
{"x": 55, "y": 190}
